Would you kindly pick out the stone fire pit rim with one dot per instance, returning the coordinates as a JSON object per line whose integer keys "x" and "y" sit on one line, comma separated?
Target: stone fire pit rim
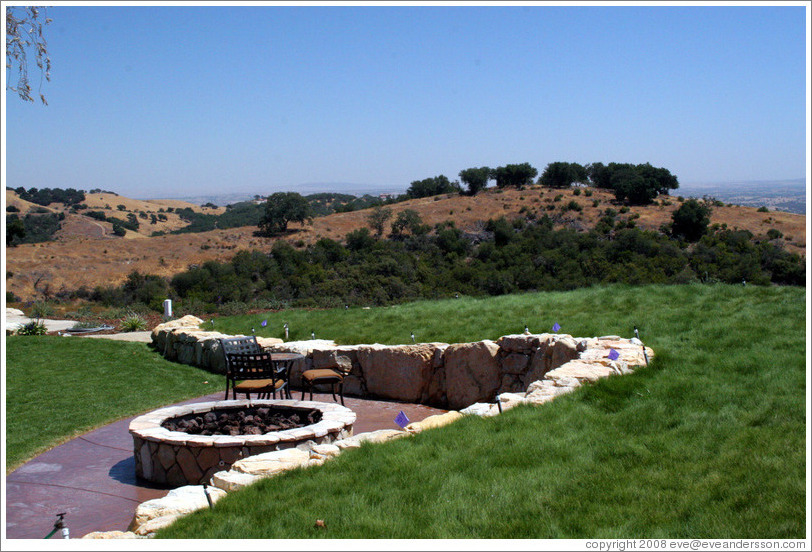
{"x": 148, "y": 426}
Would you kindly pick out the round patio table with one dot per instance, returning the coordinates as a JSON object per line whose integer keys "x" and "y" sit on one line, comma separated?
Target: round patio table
{"x": 283, "y": 362}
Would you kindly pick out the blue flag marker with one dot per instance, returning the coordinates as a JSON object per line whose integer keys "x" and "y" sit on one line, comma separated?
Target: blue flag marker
{"x": 613, "y": 355}
{"x": 556, "y": 327}
{"x": 402, "y": 420}
{"x": 264, "y": 323}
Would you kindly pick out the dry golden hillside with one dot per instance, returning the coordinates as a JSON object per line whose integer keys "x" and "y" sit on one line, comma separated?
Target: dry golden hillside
{"x": 76, "y": 225}
{"x": 86, "y": 255}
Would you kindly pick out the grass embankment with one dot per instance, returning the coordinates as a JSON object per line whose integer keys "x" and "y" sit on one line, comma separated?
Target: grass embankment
{"x": 708, "y": 441}
{"x": 57, "y": 388}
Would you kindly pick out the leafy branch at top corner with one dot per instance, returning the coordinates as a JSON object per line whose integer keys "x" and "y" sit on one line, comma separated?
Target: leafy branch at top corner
{"x": 25, "y": 32}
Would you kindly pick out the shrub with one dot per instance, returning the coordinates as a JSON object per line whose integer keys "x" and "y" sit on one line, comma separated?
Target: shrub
{"x": 624, "y": 210}
{"x": 86, "y": 324}
{"x": 33, "y": 328}
{"x": 774, "y": 234}
{"x": 576, "y": 192}
{"x": 41, "y": 310}
{"x": 763, "y": 209}
{"x": 233, "y": 308}
{"x": 588, "y": 192}
{"x": 573, "y": 206}
{"x": 11, "y": 297}
{"x": 133, "y": 323}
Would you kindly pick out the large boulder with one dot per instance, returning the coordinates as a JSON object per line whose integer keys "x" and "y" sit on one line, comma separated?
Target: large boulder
{"x": 520, "y": 343}
{"x": 564, "y": 349}
{"x": 432, "y": 422}
{"x": 232, "y": 480}
{"x": 584, "y": 372}
{"x": 112, "y": 535}
{"x": 271, "y": 463}
{"x": 378, "y": 436}
{"x": 343, "y": 359}
{"x": 472, "y": 373}
{"x": 161, "y": 330}
{"x": 401, "y": 372}
{"x": 159, "y": 512}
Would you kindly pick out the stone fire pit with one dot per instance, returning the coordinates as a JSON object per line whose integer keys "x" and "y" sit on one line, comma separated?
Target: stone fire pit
{"x": 175, "y": 458}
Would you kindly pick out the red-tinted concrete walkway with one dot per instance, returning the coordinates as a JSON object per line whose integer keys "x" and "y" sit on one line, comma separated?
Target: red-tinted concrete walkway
{"x": 92, "y": 477}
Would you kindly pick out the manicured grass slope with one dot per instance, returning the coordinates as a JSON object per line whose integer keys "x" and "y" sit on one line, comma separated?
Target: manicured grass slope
{"x": 57, "y": 388}
{"x": 708, "y": 441}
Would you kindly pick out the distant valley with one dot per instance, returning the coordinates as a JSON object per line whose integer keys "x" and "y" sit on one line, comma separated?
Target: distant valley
{"x": 776, "y": 195}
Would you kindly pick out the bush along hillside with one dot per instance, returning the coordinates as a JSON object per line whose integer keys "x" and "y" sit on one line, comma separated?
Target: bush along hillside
{"x": 506, "y": 257}
{"x": 32, "y": 228}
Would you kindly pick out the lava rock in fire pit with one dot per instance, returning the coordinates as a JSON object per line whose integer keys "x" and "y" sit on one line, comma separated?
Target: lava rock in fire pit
{"x": 243, "y": 421}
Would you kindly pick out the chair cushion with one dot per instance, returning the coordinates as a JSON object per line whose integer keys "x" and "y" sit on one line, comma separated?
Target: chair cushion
{"x": 253, "y": 385}
{"x": 322, "y": 374}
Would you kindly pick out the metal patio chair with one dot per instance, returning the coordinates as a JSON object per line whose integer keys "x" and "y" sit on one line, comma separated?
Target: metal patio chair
{"x": 251, "y": 370}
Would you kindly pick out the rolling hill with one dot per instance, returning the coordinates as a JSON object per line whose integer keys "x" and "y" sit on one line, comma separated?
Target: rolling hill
{"x": 87, "y": 253}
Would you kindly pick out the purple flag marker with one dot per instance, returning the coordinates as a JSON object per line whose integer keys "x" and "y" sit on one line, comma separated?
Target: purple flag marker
{"x": 264, "y": 323}
{"x": 556, "y": 327}
{"x": 613, "y": 355}
{"x": 402, "y": 420}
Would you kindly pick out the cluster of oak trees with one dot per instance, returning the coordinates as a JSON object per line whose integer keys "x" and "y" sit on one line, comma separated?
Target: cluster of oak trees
{"x": 632, "y": 184}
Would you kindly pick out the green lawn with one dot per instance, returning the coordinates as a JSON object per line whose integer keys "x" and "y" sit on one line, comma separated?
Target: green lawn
{"x": 57, "y": 388}
{"x": 708, "y": 441}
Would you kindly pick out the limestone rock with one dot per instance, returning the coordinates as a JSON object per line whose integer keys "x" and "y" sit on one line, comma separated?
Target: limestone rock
{"x": 582, "y": 371}
{"x": 324, "y": 451}
{"x": 177, "y": 502}
{"x": 509, "y": 400}
{"x": 540, "y": 392}
{"x": 481, "y": 409}
{"x": 305, "y": 348}
{"x": 341, "y": 358}
{"x": 187, "y": 321}
{"x": 157, "y": 523}
{"x": 269, "y": 341}
{"x": 515, "y": 363}
{"x": 564, "y": 350}
{"x": 520, "y": 343}
{"x": 471, "y": 373}
{"x": 401, "y": 372}
{"x": 379, "y": 436}
{"x": 231, "y": 480}
{"x": 112, "y": 535}
{"x": 272, "y": 463}
{"x": 438, "y": 420}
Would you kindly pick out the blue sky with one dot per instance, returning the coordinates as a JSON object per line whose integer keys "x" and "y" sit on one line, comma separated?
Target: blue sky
{"x": 163, "y": 101}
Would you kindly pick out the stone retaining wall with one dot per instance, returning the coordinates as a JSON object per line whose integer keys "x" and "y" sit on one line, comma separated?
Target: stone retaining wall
{"x": 451, "y": 376}
{"x": 487, "y": 377}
